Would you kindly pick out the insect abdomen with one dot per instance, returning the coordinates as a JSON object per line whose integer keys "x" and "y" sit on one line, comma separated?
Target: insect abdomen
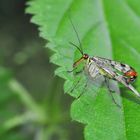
{"x": 132, "y": 75}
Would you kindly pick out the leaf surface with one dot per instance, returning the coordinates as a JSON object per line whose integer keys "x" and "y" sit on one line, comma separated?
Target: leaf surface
{"x": 108, "y": 29}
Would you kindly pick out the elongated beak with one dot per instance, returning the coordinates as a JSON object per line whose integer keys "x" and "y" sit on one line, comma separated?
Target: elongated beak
{"x": 78, "y": 62}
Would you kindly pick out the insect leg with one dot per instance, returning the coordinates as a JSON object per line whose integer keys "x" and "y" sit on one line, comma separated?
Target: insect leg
{"x": 75, "y": 85}
{"x": 77, "y": 72}
{"x": 73, "y": 88}
{"x": 69, "y": 71}
{"x": 110, "y": 91}
{"x": 85, "y": 86}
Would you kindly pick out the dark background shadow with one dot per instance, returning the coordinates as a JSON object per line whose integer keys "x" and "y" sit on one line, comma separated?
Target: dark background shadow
{"x": 23, "y": 53}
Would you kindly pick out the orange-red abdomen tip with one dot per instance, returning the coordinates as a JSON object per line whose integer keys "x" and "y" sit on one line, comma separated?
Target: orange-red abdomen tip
{"x": 131, "y": 73}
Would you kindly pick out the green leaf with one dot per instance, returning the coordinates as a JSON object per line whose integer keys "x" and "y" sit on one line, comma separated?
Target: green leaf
{"x": 116, "y": 37}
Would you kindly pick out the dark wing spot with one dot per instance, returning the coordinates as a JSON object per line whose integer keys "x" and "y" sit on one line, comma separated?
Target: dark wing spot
{"x": 112, "y": 65}
{"x": 123, "y": 65}
{"x": 132, "y": 68}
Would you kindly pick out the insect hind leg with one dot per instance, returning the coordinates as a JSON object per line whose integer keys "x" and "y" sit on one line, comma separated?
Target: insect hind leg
{"x": 110, "y": 91}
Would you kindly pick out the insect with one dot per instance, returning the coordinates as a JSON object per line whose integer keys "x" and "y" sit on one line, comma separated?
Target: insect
{"x": 97, "y": 66}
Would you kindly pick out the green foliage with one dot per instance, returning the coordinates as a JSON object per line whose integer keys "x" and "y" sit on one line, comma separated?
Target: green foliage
{"x": 35, "y": 117}
{"x": 7, "y": 112}
{"x": 29, "y": 106}
{"x": 116, "y": 37}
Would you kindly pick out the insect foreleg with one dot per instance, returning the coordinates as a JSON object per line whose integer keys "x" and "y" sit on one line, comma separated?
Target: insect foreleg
{"x": 69, "y": 71}
{"x": 76, "y": 72}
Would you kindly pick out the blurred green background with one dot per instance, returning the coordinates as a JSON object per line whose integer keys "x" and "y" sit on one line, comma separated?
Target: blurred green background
{"x": 33, "y": 105}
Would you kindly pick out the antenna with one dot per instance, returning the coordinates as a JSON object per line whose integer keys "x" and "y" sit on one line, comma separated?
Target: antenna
{"x": 80, "y": 47}
{"x": 76, "y": 47}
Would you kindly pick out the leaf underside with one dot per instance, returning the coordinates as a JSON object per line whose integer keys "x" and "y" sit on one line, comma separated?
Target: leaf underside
{"x": 117, "y": 37}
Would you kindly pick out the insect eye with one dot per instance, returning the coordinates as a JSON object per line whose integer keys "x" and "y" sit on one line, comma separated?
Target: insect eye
{"x": 85, "y": 56}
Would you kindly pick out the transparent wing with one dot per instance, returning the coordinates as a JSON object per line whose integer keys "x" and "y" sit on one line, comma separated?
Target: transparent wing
{"x": 93, "y": 74}
{"x": 114, "y": 64}
{"x": 123, "y": 80}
